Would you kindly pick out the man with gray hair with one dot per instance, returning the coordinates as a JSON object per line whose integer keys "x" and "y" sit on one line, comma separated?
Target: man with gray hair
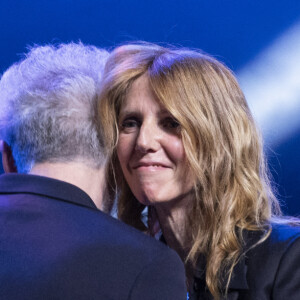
{"x": 55, "y": 242}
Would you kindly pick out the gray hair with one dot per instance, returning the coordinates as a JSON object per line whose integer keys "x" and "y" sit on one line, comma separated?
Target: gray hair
{"x": 48, "y": 106}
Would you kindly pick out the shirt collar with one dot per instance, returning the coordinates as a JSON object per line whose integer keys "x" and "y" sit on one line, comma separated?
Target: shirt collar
{"x": 13, "y": 183}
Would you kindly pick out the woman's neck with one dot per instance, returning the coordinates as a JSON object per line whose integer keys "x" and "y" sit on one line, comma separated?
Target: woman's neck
{"x": 172, "y": 223}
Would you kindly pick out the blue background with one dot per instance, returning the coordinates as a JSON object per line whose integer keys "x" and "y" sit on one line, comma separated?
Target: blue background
{"x": 237, "y": 32}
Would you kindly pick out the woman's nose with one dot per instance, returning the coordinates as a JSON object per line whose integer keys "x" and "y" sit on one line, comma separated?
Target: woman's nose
{"x": 148, "y": 139}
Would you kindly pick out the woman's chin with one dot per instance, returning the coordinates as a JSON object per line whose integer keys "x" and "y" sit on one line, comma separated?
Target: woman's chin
{"x": 149, "y": 198}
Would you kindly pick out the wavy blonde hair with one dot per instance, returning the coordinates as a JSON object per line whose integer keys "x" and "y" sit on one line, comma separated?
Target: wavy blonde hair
{"x": 222, "y": 145}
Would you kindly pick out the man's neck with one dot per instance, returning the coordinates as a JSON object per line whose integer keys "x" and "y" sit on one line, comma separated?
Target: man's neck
{"x": 88, "y": 179}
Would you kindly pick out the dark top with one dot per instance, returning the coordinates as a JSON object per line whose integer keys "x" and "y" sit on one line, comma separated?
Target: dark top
{"x": 55, "y": 244}
{"x": 270, "y": 270}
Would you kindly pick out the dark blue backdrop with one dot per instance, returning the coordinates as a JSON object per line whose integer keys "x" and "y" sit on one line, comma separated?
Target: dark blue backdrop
{"x": 235, "y": 31}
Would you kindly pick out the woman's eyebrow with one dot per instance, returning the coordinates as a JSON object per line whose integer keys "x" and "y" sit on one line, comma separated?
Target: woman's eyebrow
{"x": 129, "y": 113}
{"x": 164, "y": 112}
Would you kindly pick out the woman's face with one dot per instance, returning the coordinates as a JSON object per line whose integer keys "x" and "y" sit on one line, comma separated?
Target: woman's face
{"x": 150, "y": 149}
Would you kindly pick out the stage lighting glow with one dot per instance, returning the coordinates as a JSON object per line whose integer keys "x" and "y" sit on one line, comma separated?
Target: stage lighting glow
{"x": 271, "y": 84}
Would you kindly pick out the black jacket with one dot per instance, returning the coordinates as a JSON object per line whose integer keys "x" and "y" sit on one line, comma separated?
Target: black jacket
{"x": 271, "y": 270}
{"x": 55, "y": 244}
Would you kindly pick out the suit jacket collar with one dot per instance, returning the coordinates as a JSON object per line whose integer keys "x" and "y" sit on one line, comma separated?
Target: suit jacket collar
{"x": 237, "y": 283}
{"x": 239, "y": 275}
{"x": 13, "y": 183}
{"x": 238, "y": 280}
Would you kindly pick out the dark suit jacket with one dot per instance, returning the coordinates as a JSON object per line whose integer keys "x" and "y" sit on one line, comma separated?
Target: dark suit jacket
{"x": 55, "y": 244}
{"x": 271, "y": 270}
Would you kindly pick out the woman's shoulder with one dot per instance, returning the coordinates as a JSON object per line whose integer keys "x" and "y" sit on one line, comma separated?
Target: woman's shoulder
{"x": 286, "y": 232}
{"x": 271, "y": 261}
{"x": 283, "y": 233}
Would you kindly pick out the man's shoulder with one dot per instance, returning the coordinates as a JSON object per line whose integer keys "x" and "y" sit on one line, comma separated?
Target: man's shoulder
{"x": 75, "y": 240}
{"x": 140, "y": 260}
{"x": 68, "y": 210}
{"x": 119, "y": 233}
{"x": 150, "y": 268}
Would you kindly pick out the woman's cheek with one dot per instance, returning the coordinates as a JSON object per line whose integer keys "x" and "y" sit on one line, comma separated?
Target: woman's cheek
{"x": 125, "y": 147}
{"x": 174, "y": 148}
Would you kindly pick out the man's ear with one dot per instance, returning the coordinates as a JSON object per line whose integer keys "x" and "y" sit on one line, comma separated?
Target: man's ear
{"x": 8, "y": 160}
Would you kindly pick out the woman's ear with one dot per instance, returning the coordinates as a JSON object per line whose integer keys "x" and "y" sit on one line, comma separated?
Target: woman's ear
{"x": 8, "y": 160}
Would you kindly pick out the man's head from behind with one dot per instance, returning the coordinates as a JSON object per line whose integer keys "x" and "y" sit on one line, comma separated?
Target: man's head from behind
{"x": 47, "y": 106}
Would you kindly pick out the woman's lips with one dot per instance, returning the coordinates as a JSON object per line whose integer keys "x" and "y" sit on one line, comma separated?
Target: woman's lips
{"x": 150, "y": 166}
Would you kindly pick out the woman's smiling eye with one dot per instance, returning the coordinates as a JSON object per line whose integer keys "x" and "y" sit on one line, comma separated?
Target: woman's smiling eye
{"x": 129, "y": 123}
{"x": 170, "y": 123}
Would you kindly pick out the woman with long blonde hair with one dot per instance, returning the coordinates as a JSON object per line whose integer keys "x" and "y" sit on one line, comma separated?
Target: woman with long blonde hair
{"x": 183, "y": 143}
